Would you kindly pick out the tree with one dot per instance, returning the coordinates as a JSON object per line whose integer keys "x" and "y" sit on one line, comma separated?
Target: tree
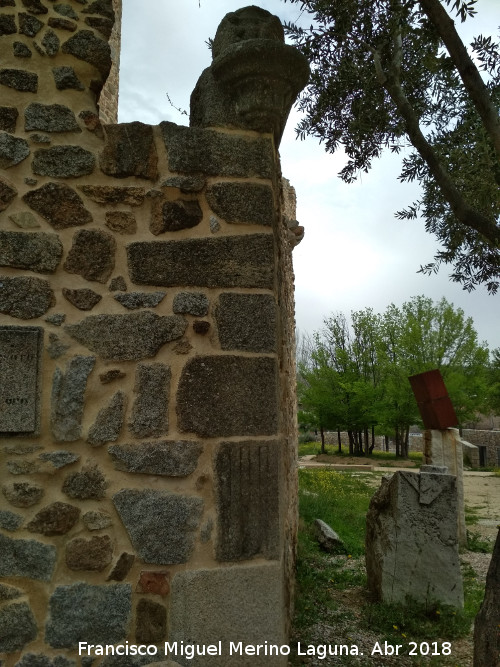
{"x": 393, "y": 74}
{"x": 357, "y": 375}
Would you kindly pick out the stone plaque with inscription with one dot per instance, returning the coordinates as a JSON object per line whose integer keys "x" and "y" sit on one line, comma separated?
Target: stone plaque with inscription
{"x": 20, "y": 349}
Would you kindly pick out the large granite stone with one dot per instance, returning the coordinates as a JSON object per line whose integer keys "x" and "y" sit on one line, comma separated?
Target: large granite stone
{"x": 59, "y": 458}
{"x": 55, "y": 519}
{"x": 59, "y": 204}
{"x": 192, "y": 303}
{"x": 13, "y": 150}
{"x": 84, "y": 45}
{"x": 210, "y": 405}
{"x": 228, "y": 261}
{"x": 10, "y": 521}
{"x": 25, "y": 82}
{"x": 83, "y": 299}
{"x": 29, "y": 25}
{"x": 26, "y": 558}
{"x": 77, "y": 613}
{"x": 63, "y": 162}
{"x": 244, "y": 604}
{"x": 22, "y": 494}
{"x": 25, "y": 297}
{"x": 51, "y": 42}
{"x": 195, "y": 150}
{"x": 175, "y": 458}
{"x": 413, "y": 520}
{"x": 109, "y": 421}
{"x": 21, "y": 50}
{"x": 243, "y": 203}
{"x": 68, "y": 392}
{"x": 7, "y": 25}
{"x": 161, "y": 525}
{"x": 150, "y": 411}
{"x": 97, "y": 520}
{"x": 90, "y": 555}
{"x": 8, "y": 192}
{"x": 121, "y": 222}
{"x": 66, "y": 10}
{"x": 172, "y": 216}
{"x": 112, "y": 194}
{"x": 136, "y": 300}
{"x": 122, "y": 567}
{"x": 486, "y": 624}
{"x": 50, "y": 118}
{"x": 86, "y": 484}
{"x": 9, "y": 593}
{"x": 127, "y": 337}
{"x": 102, "y": 8}
{"x": 8, "y": 119}
{"x": 62, "y": 24}
{"x": 35, "y": 251}
{"x": 150, "y": 622}
{"x": 105, "y": 26}
{"x": 17, "y": 627}
{"x": 92, "y": 255}
{"x": 129, "y": 151}
{"x": 66, "y": 79}
{"x": 25, "y": 220}
{"x": 35, "y": 6}
{"x": 246, "y": 322}
{"x": 247, "y": 497}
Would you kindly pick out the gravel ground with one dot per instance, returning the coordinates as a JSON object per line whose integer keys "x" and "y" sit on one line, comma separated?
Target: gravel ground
{"x": 343, "y": 627}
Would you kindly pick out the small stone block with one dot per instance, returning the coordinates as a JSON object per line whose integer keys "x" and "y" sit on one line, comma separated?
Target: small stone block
{"x": 154, "y": 582}
{"x": 151, "y": 622}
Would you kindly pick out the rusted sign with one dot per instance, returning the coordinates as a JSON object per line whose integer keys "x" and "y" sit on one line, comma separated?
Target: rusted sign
{"x": 434, "y": 404}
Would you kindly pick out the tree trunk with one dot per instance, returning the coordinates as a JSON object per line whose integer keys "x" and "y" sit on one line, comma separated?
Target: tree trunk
{"x": 367, "y": 443}
{"x": 351, "y": 443}
{"x": 322, "y": 440}
{"x": 339, "y": 439}
{"x": 386, "y": 442}
{"x": 372, "y": 446}
{"x": 398, "y": 442}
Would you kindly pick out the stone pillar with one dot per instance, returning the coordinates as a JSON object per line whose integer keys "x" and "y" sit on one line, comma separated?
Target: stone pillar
{"x": 411, "y": 540}
{"x": 147, "y": 409}
{"x": 444, "y": 448}
{"x": 487, "y": 622}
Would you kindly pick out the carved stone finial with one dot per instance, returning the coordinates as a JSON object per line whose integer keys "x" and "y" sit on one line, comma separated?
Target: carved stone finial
{"x": 254, "y": 78}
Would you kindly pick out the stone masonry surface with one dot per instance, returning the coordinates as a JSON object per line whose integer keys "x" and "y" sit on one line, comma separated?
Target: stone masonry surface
{"x": 147, "y": 419}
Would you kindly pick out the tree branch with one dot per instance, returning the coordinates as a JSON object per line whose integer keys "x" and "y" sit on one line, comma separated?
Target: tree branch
{"x": 469, "y": 73}
{"x": 463, "y": 212}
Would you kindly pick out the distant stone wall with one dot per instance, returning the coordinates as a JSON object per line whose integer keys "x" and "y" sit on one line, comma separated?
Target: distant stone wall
{"x": 488, "y": 439}
{"x": 147, "y": 408}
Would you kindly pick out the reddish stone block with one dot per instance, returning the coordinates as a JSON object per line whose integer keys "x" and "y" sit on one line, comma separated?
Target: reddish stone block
{"x": 154, "y": 582}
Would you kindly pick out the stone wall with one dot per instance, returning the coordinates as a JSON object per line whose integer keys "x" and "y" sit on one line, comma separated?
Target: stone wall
{"x": 147, "y": 415}
{"x": 488, "y": 439}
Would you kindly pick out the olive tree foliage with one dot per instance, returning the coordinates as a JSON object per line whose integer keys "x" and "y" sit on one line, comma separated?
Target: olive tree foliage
{"x": 394, "y": 74}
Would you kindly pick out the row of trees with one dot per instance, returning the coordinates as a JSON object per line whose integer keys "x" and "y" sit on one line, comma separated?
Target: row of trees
{"x": 353, "y": 375}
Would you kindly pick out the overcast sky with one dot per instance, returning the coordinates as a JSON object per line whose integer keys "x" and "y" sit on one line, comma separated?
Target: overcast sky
{"x": 355, "y": 253}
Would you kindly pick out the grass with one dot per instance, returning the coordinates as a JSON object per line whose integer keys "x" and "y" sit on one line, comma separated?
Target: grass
{"x": 341, "y": 499}
{"x": 377, "y": 455}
